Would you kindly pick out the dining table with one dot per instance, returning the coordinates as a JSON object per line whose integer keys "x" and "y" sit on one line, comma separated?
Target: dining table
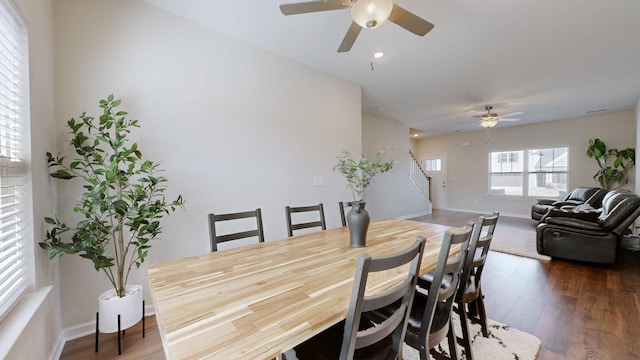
{"x": 258, "y": 301}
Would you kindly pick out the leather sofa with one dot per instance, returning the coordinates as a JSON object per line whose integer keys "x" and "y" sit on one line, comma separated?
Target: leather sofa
{"x": 581, "y": 195}
{"x": 589, "y": 235}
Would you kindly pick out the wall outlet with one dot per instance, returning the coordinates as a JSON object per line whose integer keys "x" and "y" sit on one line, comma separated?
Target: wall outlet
{"x": 318, "y": 181}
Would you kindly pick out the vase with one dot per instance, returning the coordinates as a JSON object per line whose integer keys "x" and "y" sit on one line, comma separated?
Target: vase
{"x": 358, "y": 222}
{"x": 129, "y": 307}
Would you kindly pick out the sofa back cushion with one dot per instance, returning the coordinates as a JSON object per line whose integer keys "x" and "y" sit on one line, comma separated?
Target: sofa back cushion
{"x": 618, "y": 208}
{"x": 582, "y": 193}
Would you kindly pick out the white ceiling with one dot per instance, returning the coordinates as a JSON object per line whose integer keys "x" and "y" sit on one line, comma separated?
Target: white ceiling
{"x": 547, "y": 58}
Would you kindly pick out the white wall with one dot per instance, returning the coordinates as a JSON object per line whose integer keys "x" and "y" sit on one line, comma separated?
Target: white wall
{"x": 38, "y": 315}
{"x": 391, "y": 194}
{"x": 235, "y": 127}
{"x": 467, "y": 177}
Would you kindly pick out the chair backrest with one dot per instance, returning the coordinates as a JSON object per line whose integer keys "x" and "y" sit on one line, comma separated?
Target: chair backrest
{"x": 476, "y": 256}
{"x": 216, "y": 218}
{"x": 343, "y": 205}
{"x": 396, "y": 324}
{"x": 441, "y": 293}
{"x": 304, "y": 225}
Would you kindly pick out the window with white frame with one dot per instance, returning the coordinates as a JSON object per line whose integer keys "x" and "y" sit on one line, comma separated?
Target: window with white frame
{"x": 13, "y": 113}
{"x": 433, "y": 165}
{"x": 532, "y": 172}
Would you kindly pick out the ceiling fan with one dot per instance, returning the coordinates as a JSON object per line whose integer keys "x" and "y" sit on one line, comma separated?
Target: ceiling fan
{"x": 365, "y": 14}
{"x": 491, "y": 119}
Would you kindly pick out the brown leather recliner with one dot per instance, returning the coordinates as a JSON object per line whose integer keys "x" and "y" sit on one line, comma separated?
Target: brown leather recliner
{"x": 580, "y": 195}
{"x": 589, "y": 236}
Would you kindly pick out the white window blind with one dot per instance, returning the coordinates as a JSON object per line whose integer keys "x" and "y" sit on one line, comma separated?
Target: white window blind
{"x": 13, "y": 97}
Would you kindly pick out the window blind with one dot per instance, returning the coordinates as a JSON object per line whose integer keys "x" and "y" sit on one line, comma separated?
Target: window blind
{"x": 13, "y": 93}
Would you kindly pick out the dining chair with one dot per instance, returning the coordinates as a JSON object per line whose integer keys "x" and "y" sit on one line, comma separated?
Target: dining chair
{"x": 358, "y": 336}
{"x": 217, "y": 218}
{"x": 469, "y": 300}
{"x": 291, "y": 226}
{"x": 430, "y": 317}
{"x": 343, "y": 205}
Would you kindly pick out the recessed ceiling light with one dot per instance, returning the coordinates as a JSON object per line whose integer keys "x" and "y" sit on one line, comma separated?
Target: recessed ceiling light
{"x": 378, "y": 55}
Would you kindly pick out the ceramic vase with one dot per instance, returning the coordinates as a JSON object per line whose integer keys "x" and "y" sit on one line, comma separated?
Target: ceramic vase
{"x": 128, "y": 307}
{"x": 358, "y": 222}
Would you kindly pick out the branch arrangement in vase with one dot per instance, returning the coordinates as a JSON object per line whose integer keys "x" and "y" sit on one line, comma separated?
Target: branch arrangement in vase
{"x": 359, "y": 174}
{"x": 123, "y": 201}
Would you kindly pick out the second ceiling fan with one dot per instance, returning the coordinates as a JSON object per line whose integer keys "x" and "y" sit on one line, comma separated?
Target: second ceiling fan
{"x": 490, "y": 119}
{"x": 365, "y": 14}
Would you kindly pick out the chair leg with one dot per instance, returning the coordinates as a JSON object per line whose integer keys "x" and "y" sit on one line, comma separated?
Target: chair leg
{"x": 451, "y": 337}
{"x": 482, "y": 315}
{"x": 464, "y": 325}
{"x": 424, "y": 353}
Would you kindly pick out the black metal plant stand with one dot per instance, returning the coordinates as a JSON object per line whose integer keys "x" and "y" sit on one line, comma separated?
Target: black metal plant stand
{"x": 120, "y": 332}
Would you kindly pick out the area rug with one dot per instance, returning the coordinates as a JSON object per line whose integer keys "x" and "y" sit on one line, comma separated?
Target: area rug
{"x": 515, "y": 241}
{"x": 503, "y": 343}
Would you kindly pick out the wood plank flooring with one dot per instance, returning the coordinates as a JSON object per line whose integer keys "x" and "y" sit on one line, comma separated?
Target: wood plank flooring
{"x": 578, "y": 311}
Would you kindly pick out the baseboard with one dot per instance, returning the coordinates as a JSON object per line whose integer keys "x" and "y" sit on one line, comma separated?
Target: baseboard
{"x": 89, "y": 328}
{"x": 56, "y": 353}
{"x": 414, "y": 215}
{"x": 471, "y": 211}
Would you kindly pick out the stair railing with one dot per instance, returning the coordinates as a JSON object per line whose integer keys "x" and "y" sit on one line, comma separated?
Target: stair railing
{"x": 419, "y": 177}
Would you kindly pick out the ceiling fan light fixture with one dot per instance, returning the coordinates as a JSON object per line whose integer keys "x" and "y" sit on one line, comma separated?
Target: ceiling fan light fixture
{"x": 488, "y": 121}
{"x": 371, "y": 13}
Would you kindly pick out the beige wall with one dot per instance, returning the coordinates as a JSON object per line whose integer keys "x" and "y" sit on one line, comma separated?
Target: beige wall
{"x": 467, "y": 166}
{"x": 235, "y": 127}
{"x": 391, "y": 194}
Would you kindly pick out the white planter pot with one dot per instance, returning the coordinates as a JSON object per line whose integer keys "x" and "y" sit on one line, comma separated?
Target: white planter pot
{"x": 128, "y": 307}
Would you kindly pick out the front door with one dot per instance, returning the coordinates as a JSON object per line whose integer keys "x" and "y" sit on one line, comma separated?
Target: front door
{"x": 436, "y": 167}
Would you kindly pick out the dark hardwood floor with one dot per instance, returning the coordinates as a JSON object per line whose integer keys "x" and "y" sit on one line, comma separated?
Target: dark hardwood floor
{"x": 578, "y": 311}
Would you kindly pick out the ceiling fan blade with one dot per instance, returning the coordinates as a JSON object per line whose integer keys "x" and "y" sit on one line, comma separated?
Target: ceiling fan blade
{"x": 313, "y": 6}
{"x": 509, "y": 119}
{"x": 511, "y": 114}
{"x": 410, "y": 21}
{"x": 349, "y": 37}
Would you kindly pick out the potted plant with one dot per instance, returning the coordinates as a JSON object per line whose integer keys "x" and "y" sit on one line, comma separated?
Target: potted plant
{"x": 121, "y": 206}
{"x": 614, "y": 164}
{"x": 359, "y": 176}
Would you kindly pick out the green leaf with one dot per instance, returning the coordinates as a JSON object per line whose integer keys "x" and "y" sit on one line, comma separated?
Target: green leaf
{"x": 62, "y": 174}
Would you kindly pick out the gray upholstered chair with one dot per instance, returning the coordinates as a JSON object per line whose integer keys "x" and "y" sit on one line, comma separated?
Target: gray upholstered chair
{"x": 292, "y": 225}
{"x": 359, "y": 336}
{"x": 217, "y": 218}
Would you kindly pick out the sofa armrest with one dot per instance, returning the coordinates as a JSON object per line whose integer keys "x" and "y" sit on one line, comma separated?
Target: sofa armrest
{"x": 546, "y": 201}
{"x": 590, "y": 215}
{"x": 575, "y": 224}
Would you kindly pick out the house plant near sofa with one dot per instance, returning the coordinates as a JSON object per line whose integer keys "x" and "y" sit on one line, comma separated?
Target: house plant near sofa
{"x": 359, "y": 176}
{"x": 614, "y": 164}
{"x": 121, "y": 206}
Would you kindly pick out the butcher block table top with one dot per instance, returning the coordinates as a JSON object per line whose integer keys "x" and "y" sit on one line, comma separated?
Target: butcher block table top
{"x": 258, "y": 301}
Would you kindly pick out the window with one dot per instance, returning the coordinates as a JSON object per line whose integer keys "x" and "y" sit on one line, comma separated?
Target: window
{"x": 13, "y": 99}
{"x": 533, "y": 172}
{"x": 433, "y": 165}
